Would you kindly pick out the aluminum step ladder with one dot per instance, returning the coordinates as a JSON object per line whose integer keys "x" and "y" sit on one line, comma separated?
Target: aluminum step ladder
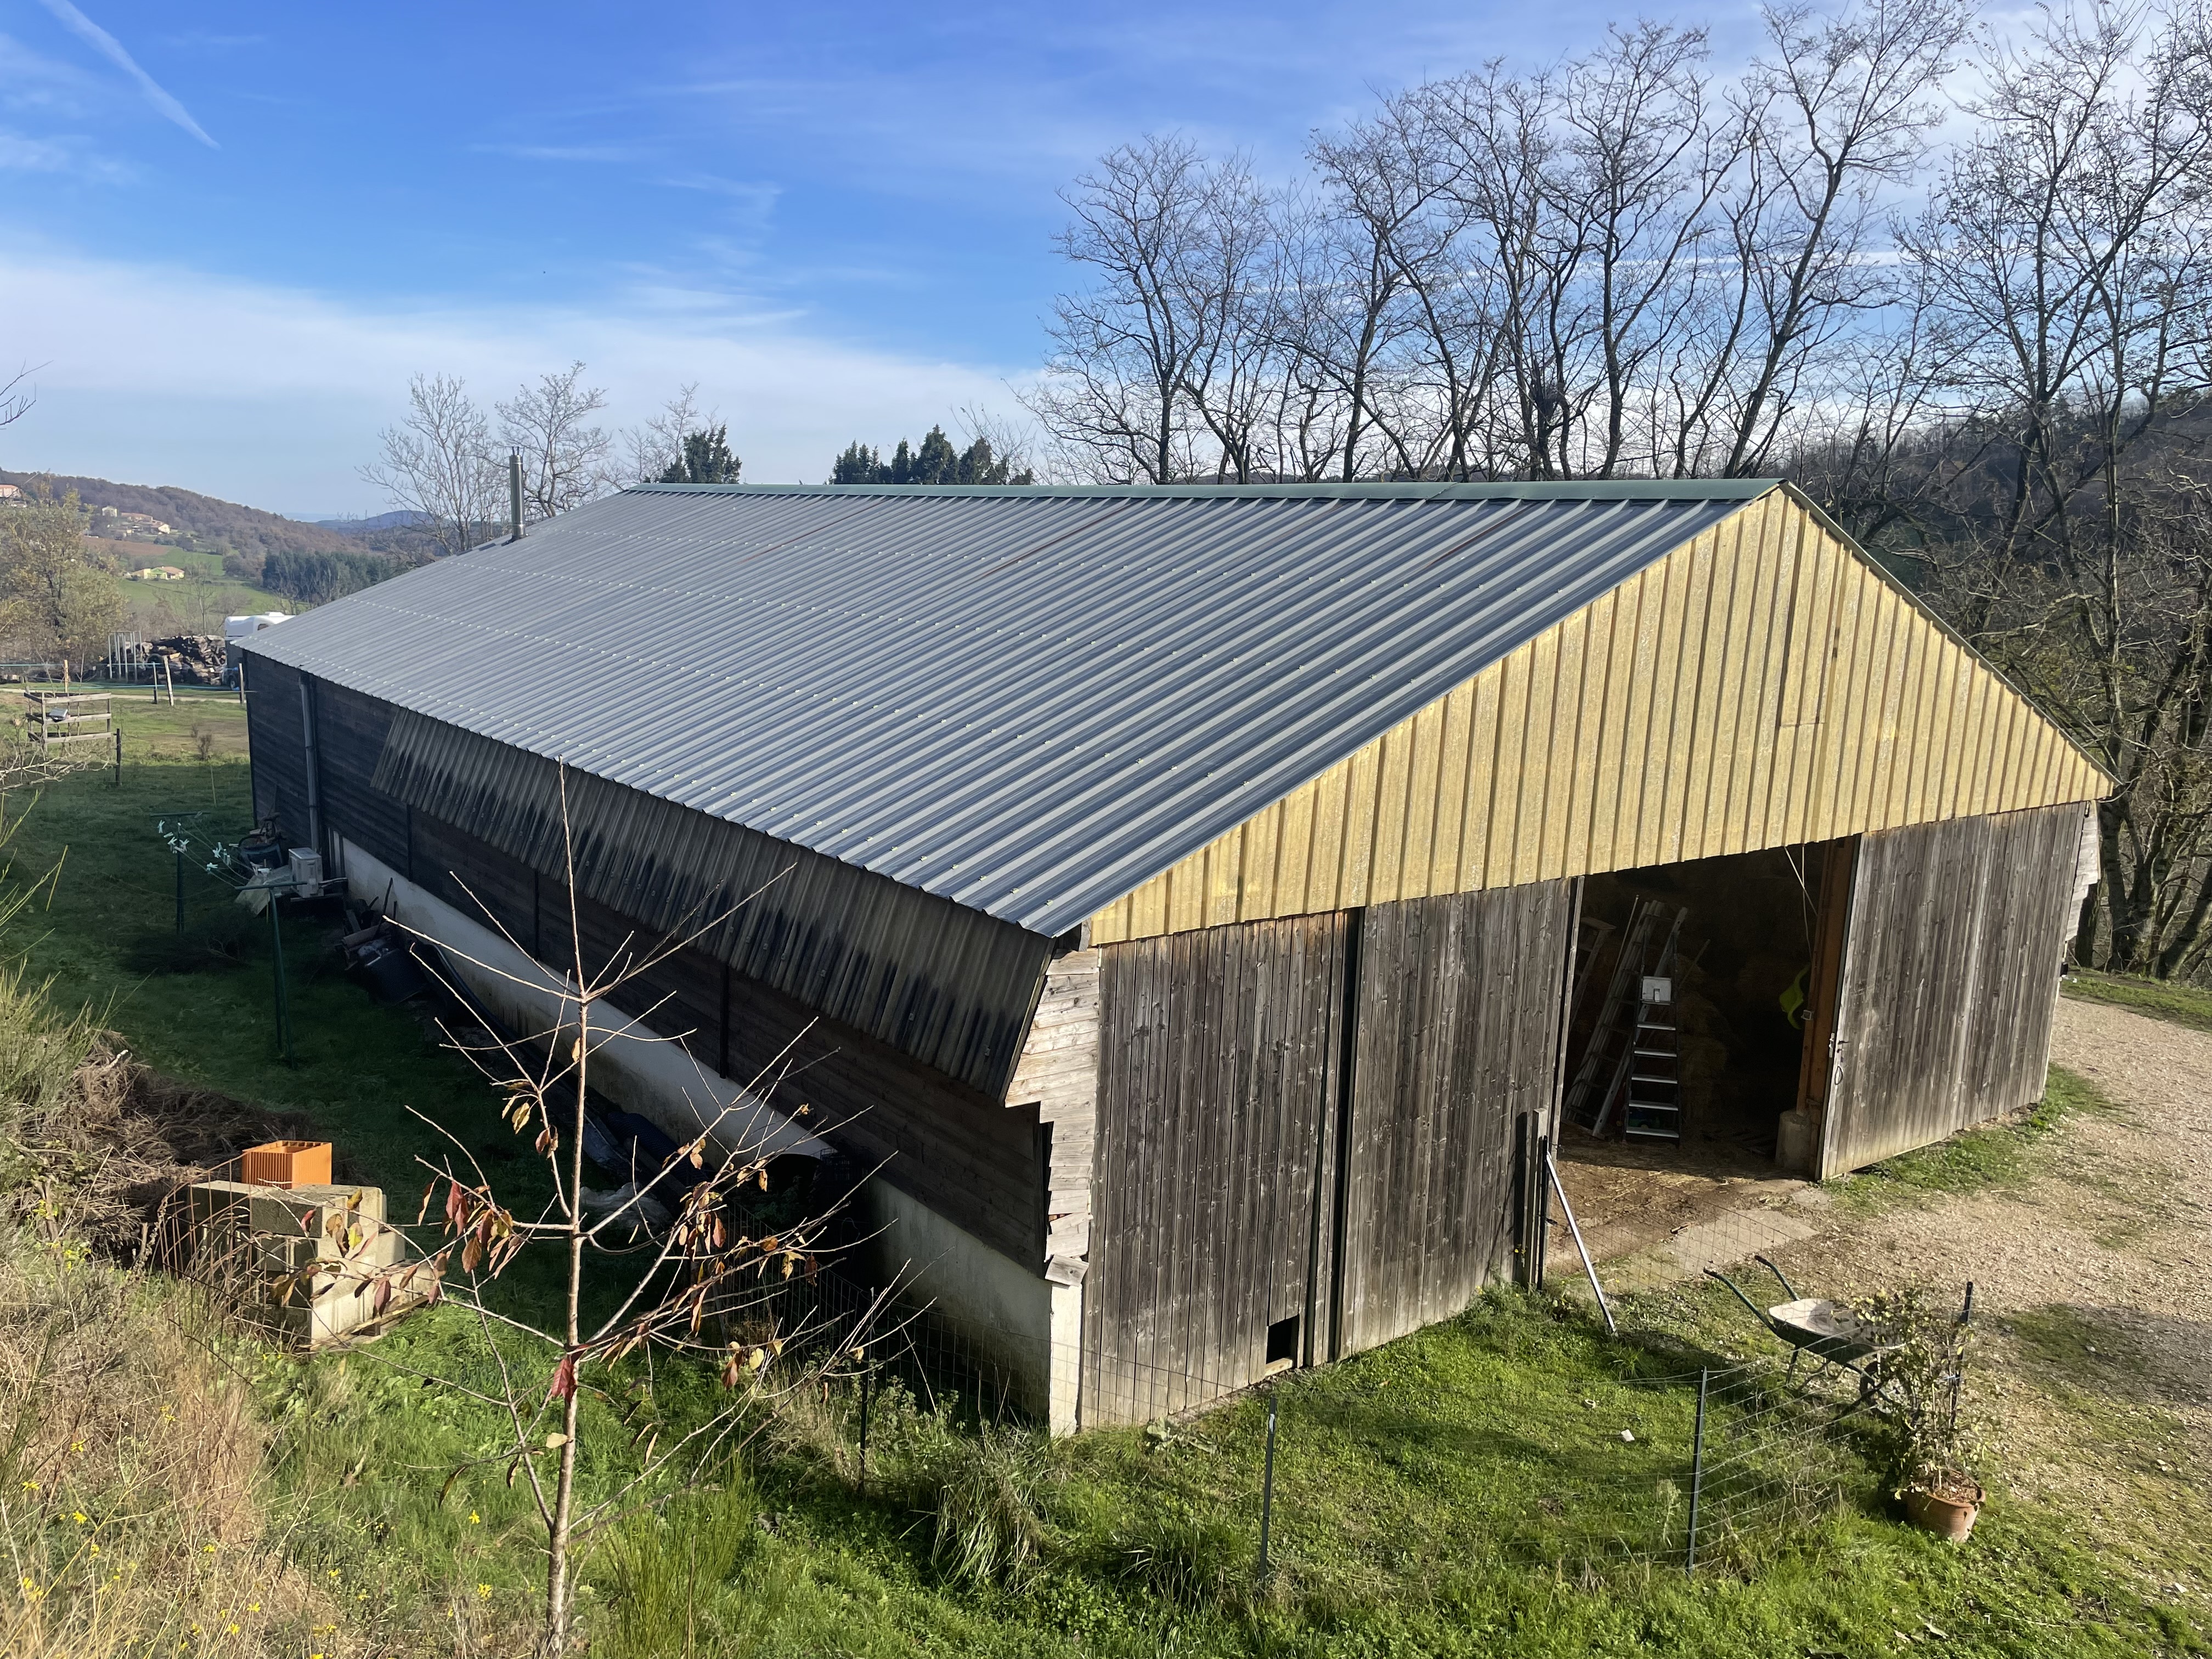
{"x": 1647, "y": 951}
{"x": 1651, "y": 1105}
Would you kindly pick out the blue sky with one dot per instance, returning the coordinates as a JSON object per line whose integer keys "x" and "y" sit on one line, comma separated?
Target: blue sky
{"x": 231, "y": 232}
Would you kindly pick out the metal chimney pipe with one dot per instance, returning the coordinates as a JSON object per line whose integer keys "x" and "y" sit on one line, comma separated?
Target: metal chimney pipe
{"x": 513, "y": 496}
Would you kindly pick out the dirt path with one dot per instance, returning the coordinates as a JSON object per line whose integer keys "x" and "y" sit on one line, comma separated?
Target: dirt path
{"x": 2093, "y": 1281}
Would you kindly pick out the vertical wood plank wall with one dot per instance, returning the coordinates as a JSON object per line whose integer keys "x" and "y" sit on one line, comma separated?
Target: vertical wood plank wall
{"x": 1950, "y": 974}
{"x": 1763, "y": 686}
{"x": 277, "y": 742}
{"x": 1458, "y": 1032}
{"x": 969, "y": 1158}
{"x": 1216, "y": 1069}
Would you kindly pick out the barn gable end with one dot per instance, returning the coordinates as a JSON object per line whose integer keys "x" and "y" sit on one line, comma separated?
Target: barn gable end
{"x": 1763, "y": 685}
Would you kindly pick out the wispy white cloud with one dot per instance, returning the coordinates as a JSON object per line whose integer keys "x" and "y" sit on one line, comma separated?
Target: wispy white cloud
{"x": 33, "y": 84}
{"x": 19, "y": 154}
{"x": 112, "y": 49}
{"x": 754, "y": 199}
{"x": 274, "y": 395}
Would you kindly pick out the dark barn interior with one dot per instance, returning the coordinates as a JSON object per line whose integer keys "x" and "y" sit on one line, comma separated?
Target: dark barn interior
{"x": 1739, "y": 959}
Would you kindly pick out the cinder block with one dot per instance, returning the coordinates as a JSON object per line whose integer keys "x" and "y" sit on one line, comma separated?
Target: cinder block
{"x": 339, "y": 1233}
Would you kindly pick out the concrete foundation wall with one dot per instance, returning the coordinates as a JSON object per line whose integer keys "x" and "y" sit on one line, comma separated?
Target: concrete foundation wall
{"x": 631, "y": 1064}
{"x": 1025, "y": 1323}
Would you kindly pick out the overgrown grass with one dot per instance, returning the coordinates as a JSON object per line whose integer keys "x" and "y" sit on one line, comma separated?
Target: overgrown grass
{"x": 1999, "y": 1154}
{"x": 104, "y": 935}
{"x": 1465, "y": 1491}
{"x": 2181, "y": 1004}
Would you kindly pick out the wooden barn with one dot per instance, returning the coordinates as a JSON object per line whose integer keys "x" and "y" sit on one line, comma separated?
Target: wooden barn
{"x": 1193, "y": 906}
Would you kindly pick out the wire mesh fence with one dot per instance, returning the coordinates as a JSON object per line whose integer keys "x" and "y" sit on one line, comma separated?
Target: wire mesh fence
{"x": 1715, "y": 1469}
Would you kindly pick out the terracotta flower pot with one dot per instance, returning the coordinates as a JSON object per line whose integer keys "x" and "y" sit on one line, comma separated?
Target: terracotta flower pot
{"x": 1950, "y": 1513}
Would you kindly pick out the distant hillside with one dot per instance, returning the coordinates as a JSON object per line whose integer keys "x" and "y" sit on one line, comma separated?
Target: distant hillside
{"x": 402, "y": 535}
{"x": 203, "y": 523}
{"x": 400, "y": 519}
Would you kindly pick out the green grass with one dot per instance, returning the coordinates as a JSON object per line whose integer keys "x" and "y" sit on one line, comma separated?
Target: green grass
{"x": 1450, "y": 1494}
{"x": 2181, "y": 1004}
{"x": 358, "y": 1067}
{"x": 358, "y": 1072}
{"x": 2000, "y": 1154}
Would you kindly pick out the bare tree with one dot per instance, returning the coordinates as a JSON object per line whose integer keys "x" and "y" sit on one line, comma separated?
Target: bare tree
{"x": 1012, "y": 443}
{"x": 1839, "y": 111}
{"x": 16, "y": 397}
{"x": 1122, "y": 356}
{"x": 438, "y": 463}
{"x": 687, "y": 1273}
{"x": 2067, "y": 257}
{"x": 657, "y": 446}
{"x": 1392, "y": 178}
{"x": 565, "y": 459}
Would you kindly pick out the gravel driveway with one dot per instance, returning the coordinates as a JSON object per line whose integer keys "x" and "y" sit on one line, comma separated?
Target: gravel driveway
{"x": 2095, "y": 1283}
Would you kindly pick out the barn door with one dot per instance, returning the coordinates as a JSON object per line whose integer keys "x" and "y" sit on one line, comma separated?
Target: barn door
{"x": 1950, "y": 971}
{"x": 1459, "y": 1005}
{"x": 1214, "y": 1160}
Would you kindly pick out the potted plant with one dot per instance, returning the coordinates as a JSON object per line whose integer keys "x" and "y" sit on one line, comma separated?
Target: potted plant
{"x": 1912, "y": 1388}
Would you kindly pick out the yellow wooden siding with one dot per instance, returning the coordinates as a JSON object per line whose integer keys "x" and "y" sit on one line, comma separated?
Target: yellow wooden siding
{"x": 1760, "y": 687}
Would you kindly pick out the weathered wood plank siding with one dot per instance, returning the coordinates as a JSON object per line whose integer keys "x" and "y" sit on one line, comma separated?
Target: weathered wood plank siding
{"x": 1459, "y": 1007}
{"x": 350, "y": 732}
{"x": 1762, "y": 686}
{"x": 276, "y": 742}
{"x": 1058, "y": 1077}
{"x": 475, "y": 877}
{"x": 1949, "y": 977}
{"x": 973, "y": 1160}
{"x": 1216, "y": 1068}
{"x": 969, "y": 1158}
{"x": 951, "y": 986}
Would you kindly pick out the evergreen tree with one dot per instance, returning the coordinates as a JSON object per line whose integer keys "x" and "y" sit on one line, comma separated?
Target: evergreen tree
{"x": 859, "y": 464}
{"x": 935, "y": 462}
{"x": 707, "y": 459}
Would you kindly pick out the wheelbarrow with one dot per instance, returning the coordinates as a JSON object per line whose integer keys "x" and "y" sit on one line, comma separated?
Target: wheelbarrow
{"x": 1811, "y": 1326}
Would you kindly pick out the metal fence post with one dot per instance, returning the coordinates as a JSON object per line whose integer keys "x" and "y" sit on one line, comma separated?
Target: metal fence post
{"x": 1267, "y": 1488}
{"x": 866, "y": 1371}
{"x": 1696, "y": 1473}
{"x": 276, "y": 942}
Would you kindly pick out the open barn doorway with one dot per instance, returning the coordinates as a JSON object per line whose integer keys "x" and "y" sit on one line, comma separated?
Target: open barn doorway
{"x": 1693, "y": 996}
{"x": 1702, "y": 1007}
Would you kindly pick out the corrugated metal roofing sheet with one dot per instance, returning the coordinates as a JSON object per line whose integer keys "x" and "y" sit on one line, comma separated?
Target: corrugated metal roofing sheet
{"x": 1025, "y": 701}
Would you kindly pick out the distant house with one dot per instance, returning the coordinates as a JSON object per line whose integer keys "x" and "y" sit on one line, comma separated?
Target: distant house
{"x": 10, "y": 493}
{"x": 160, "y": 573}
{"x": 140, "y": 524}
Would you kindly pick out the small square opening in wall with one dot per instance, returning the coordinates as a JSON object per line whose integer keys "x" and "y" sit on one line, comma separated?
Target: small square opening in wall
{"x": 1283, "y": 1342}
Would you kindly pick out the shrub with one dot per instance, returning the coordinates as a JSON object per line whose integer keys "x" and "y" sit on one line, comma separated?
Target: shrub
{"x": 989, "y": 1505}
{"x": 1912, "y": 1387}
{"x": 1187, "y": 1559}
{"x": 667, "y": 1568}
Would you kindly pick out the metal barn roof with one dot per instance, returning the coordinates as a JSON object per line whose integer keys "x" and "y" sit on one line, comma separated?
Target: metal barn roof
{"x": 1027, "y": 701}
